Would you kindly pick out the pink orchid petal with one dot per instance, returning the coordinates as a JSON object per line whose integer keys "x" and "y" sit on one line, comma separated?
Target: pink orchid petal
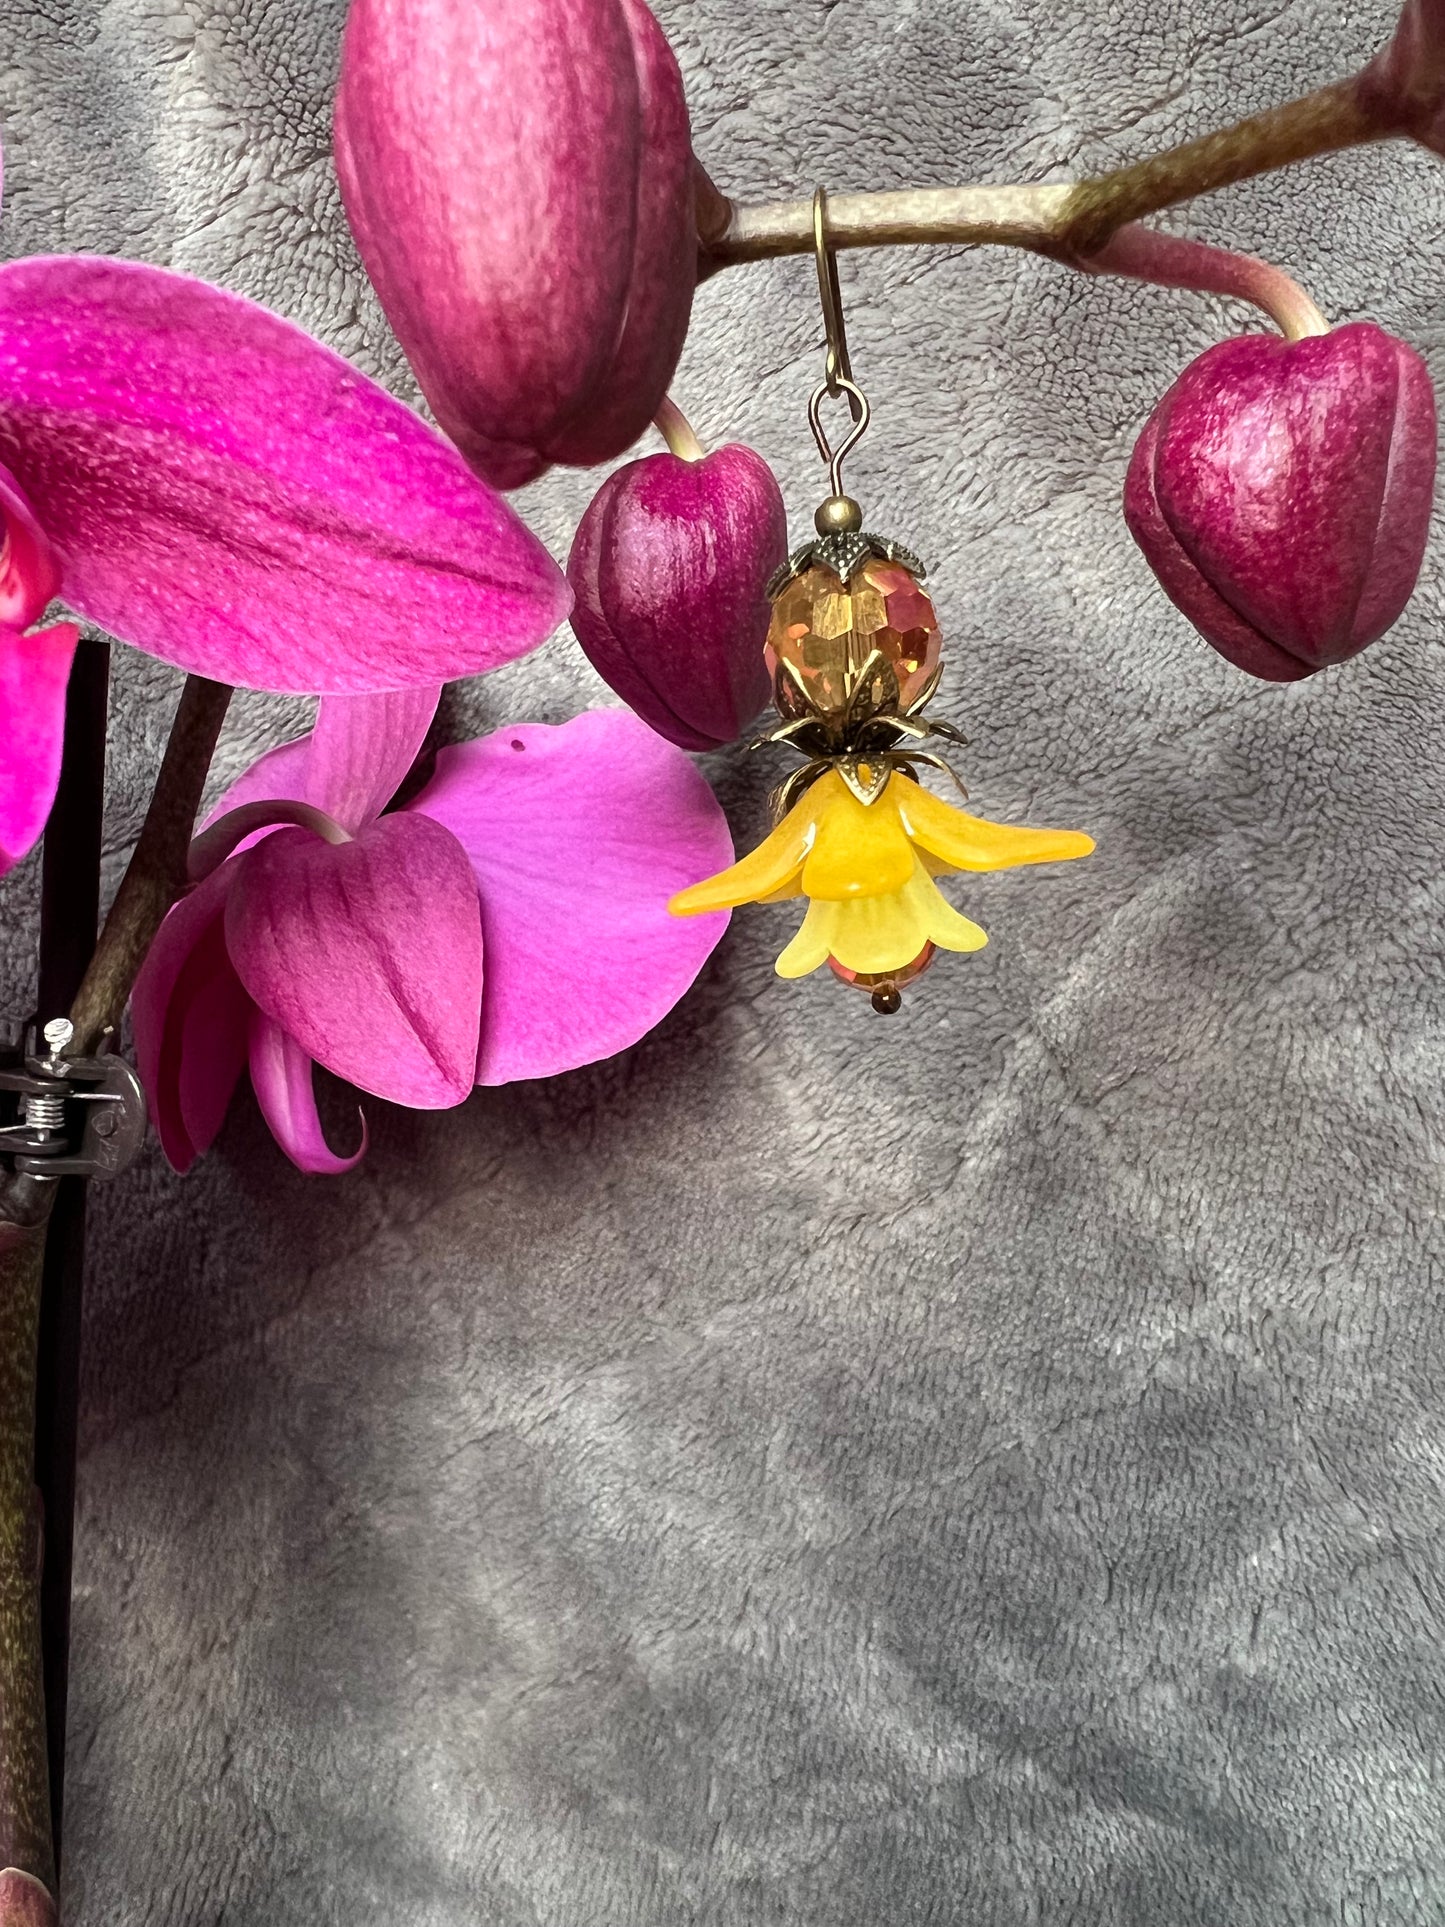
{"x": 578, "y": 836}
{"x": 33, "y": 673}
{"x": 277, "y": 776}
{"x": 191, "y": 1019}
{"x": 234, "y": 498}
{"x": 281, "y": 1076}
{"x": 362, "y": 748}
{"x": 350, "y": 766}
{"x": 369, "y": 953}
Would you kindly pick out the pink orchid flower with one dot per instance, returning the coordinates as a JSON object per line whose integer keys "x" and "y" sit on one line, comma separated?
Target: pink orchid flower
{"x": 204, "y": 480}
{"x": 509, "y": 921}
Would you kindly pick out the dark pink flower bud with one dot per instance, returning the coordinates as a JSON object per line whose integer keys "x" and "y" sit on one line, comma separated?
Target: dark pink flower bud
{"x": 518, "y": 175}
{"x": 670, "y": 567}
{"x": 1281, "y": 493}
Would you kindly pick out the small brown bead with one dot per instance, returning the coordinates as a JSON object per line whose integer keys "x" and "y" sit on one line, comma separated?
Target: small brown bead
{"x": 839, "y": 515}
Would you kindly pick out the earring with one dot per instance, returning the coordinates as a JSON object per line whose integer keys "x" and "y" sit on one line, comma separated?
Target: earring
{"x": 855, "y": 654}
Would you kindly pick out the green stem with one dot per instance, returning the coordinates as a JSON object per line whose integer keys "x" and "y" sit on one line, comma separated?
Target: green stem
{"x": 677, "y": 431}
{"x": 1330, "y": 118}
{"x": 1055, "y": 218}
{"x": 156, "y": 874}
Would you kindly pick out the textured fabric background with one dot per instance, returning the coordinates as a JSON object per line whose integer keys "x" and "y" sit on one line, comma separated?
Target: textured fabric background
{"x": 983, "y": 1468}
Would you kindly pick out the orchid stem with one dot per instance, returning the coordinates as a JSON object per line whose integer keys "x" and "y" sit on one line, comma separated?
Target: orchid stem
{"x": 156, "y": 875}
{"x": 677, "y": 431}
{"x": 1340, "y": 115}
{"x": 1067, "y": 220}
{"x": 1171, "y": 261}
{"x": 25, "y": 1837}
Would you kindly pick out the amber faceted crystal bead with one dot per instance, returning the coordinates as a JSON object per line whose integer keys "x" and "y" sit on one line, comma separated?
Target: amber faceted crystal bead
{"x": 828, "y": 631}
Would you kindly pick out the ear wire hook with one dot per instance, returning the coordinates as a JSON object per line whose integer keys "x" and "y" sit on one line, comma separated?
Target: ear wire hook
{"x": 838, "y": 367}
{"x": 835, "y": 458}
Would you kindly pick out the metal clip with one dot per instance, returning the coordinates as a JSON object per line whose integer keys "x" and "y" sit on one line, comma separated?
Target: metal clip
{"x": 64, "y": 1117}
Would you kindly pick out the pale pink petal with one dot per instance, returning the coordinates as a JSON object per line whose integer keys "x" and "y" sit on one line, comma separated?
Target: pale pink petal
{"x": 350, "y": 766}
{"x": 579, "y": 835}
{"x": 231, "y": 496}
{"x": 362, "y": 748}
{"x": 277, "y": 776}
{"x": 369, "y": 953}
{"x": 281, "y": 1076}
{"x": 33, "y": 673}
{"x": 191, "y": 1018}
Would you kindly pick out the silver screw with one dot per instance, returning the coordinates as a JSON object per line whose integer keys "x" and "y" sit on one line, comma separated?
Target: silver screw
{"x": 58, "y": 1033}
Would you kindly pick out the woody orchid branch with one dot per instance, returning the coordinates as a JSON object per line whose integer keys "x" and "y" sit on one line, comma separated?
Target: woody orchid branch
{"x": 1400, "y": 94}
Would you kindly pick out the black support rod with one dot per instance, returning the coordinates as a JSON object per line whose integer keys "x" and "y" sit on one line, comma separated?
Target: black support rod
{"x": 69, "y": 912}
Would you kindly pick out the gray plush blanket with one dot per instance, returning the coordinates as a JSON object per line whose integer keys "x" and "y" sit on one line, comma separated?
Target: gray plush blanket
{"x": 981, "y": 1469}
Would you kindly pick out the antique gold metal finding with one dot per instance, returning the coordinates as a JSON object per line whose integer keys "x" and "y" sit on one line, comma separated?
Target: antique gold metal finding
{"x": 854, "y": 645}
{"x": 855, "y": 654}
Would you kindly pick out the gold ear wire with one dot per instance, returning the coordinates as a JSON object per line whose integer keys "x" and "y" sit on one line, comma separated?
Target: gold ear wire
{"x": 838, "y": 366}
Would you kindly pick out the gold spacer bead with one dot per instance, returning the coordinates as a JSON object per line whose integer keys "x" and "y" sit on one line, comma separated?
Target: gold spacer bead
{"x": 839, "y": 515}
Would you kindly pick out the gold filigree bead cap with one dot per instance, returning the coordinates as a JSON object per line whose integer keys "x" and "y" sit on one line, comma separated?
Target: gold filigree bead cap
{"x": 839, "y": 515}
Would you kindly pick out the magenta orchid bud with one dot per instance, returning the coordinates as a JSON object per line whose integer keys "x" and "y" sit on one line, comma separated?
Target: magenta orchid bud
{"x": 1281, "y": 493}
{"x": 519, "y": 179}
{"x": 670, "y": 568}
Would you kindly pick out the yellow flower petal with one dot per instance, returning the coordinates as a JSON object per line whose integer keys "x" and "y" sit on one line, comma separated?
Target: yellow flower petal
{"x": 946, "y": 927}
{"x": 966, "y": 842}
{"x": 870, "y": 934}
{"x": 810, "y": 947}
{"x": 875, "y": 935}
{"x": 769, "y": 871}
{"x": 862, "y": 849}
